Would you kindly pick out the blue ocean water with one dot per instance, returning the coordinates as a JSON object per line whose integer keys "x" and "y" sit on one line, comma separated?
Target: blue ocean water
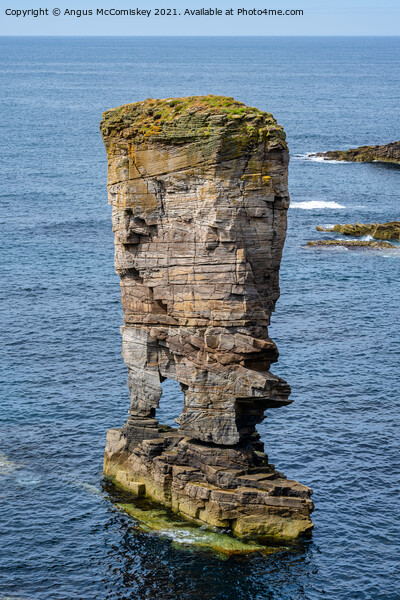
{"x": 336, "y": 323}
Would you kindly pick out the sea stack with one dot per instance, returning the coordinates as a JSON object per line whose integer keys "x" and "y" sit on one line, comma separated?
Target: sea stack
{"x": 199, "y": 195}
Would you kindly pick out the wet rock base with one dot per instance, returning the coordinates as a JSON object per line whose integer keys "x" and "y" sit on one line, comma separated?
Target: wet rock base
{"x": 220, "y": 487}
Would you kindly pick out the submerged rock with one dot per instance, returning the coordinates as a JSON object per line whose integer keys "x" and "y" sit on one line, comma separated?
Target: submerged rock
{"x": 379, "y": 231}
{"x": 155, "y": 518}
{"x": 353, "y": 244}
{"x": 198, "y": 188}
{"x": 7, "y": 466}
{"x": 386, "y": 153}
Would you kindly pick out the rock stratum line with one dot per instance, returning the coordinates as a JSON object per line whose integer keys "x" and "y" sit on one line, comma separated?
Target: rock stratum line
{"x": 199, "y": 194}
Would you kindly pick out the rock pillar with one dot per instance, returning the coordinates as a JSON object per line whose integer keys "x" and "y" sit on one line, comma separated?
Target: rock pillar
{"x": 198, "y": 188}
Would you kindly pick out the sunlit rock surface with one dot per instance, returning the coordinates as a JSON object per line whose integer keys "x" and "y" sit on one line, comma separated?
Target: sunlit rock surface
{"x": 385, "y": 153}
{"x": 379, "y": 231}
{"x": 199, "y": 193}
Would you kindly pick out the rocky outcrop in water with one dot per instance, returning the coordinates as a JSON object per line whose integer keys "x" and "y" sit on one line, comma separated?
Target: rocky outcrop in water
{"x": 379, "y": 231}
{"x": 198, "y": 188}
{"x": 386, "y": 153}
{"x": 353, "y": 244}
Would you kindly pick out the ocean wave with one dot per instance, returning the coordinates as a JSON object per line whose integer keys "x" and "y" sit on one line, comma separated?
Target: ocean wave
{"x": 395, "y": 255}
{"x": 308, "y": 156}
{"x": 322, "y": 159}
{"x": 316, "y": 204}
{"x": 327, "y": 248}
{"x": 299, "y": 156}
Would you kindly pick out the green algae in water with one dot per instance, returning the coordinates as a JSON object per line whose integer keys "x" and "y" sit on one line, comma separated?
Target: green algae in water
{"x": 153, "y": 518}
{"x": 7, "y": 466}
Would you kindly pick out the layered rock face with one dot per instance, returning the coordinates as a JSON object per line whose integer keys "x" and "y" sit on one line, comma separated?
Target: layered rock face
{"x": 199, "y": 193}
{"x": 385, "y": 153}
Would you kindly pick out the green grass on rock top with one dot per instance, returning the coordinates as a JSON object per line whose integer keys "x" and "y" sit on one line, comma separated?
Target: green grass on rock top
{"x": 177, "y": 119}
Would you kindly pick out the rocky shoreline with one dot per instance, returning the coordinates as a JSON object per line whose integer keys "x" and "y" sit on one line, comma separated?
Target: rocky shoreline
{"x": 353, "y": 244}
{"x": 379, "y": 231}
{"x": 389, "y": 153}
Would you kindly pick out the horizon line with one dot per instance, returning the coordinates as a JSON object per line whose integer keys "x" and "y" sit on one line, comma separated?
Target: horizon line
{"x": 199, "y": 36}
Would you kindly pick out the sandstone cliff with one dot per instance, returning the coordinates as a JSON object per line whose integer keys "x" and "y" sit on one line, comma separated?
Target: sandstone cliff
{"x": 385, "y": 153}
{"x": 199, "y": 193}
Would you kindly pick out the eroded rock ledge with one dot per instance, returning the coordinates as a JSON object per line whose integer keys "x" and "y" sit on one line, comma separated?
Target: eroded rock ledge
{"x": 353, "y": 244}
{"x": 379, "y": 231}
{"x": 199, "y": 193}
{"x": 385, "y": 153}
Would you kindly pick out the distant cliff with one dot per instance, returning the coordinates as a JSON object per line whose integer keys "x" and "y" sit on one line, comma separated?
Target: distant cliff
{"x": 386, "y": 153}
{"x": 199, "y": 193}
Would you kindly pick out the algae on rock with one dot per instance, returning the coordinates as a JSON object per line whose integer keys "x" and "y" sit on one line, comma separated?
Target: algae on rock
{"x": 198, "y": 188}
{"x": 389, "y": 153}
{"x": 379, "y": 231}
{"x": 353, "y": 244}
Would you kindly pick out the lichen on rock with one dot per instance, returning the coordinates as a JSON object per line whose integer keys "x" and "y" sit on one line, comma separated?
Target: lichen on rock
{"x": 198, "y": 188}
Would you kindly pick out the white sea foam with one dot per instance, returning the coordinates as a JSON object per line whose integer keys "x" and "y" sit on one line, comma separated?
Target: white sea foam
{"x": 29, "y": 480}
{"x": 183, "y": 536}
{"x": 309, "y": 157}
{"x": 327, "y": 248}
{"x": 299, "y": 156}
{"x": 92, "y": 489}
{"x": 329, "y": 161}
{"x": 316, "y": 204}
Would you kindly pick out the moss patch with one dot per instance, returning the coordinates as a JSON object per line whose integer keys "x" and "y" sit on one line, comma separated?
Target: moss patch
{"x": 178, "y": 119}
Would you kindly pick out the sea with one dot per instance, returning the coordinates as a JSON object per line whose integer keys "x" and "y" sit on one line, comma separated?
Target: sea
{"x": 63, "y": 381}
